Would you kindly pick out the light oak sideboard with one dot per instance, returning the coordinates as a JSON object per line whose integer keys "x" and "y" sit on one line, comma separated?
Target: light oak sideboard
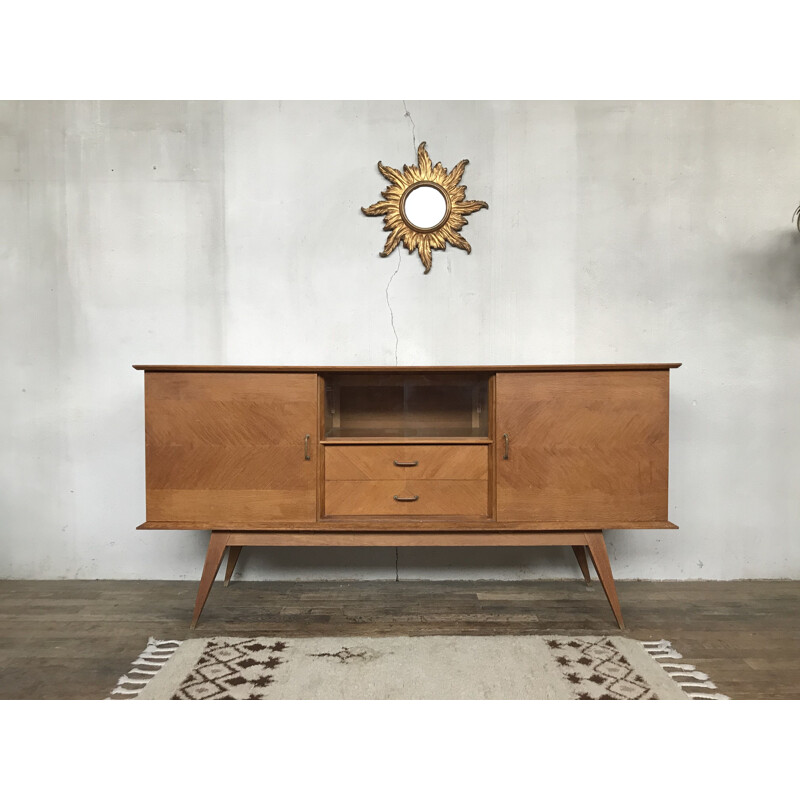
{"x": 407, "y": 456}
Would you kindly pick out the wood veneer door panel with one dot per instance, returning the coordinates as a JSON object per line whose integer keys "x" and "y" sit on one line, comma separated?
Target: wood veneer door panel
{"x": 227, "y": 449}
{"x": 583, "y": 446}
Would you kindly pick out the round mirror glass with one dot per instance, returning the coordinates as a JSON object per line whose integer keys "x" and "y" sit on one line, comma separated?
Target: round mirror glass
{"x": 425, "y": 207}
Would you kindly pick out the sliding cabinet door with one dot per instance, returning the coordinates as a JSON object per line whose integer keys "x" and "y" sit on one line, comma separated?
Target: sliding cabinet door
{"x": 229, "y": 449}
{"x": 584, "y": 449}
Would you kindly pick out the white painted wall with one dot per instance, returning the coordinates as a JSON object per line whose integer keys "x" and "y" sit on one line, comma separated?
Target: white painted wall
{"x": 204, "y": 232}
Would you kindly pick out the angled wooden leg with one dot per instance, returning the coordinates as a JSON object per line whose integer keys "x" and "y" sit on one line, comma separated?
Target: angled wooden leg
{"x": 580, "y": 554}
{"x": 216, "y": 549}
{"x": 597, "y": 550}
{"x": 233, "y": 557}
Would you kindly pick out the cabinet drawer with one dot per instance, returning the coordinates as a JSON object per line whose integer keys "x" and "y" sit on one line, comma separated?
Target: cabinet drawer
{"x": 433, "y": 498}
{"x": 406, "y": 462}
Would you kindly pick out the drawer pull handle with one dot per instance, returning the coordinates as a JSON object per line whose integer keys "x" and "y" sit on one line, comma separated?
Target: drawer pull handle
{"x": 307, "y": 454}
{"x": 406, "y": 499}
{"x": 505, "y": 451}
{"x": 406, "y": 463}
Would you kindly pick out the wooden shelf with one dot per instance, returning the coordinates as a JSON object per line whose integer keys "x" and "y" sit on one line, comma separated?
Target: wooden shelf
{"x": 488, "y": 369}
{"x": 433, "y": 525}
{"x": 407, "y": 440}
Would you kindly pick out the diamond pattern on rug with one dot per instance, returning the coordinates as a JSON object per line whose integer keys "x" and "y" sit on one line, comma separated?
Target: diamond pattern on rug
{"x": 596, "y": 670}
{"x": 230, "y": 670}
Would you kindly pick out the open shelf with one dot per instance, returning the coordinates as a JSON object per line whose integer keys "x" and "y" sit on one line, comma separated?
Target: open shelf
{"x": 403, "y": 406}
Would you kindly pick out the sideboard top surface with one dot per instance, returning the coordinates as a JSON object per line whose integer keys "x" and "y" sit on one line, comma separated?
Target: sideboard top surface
{"x": 463, "y": 368}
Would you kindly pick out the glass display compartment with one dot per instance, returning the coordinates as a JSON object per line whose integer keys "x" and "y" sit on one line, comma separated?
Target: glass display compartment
{"x": 422, "y": 406}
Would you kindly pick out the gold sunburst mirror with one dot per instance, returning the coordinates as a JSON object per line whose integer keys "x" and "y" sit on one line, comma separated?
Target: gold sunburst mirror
{"x": 424, "y": 207}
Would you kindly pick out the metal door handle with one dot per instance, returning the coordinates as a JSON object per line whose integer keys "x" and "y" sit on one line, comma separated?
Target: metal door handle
{"x": 406, "y": 463}
{"x": 307, "y": 454}
{"x": 406, "y": 499}
{"x": 505, "y": 451}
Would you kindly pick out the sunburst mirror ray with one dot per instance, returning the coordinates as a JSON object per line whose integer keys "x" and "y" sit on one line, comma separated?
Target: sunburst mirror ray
{"x": 424, "y": 207}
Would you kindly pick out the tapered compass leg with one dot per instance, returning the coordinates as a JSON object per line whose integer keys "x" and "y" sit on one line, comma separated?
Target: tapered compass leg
{"x": 580, "y": 554}
{"x": 216, "y": 549}
{"x": 597, "y": 550}
{"x": 233, "y": 557}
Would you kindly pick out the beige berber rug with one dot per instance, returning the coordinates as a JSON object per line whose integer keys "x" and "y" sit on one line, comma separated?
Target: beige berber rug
{"x": 413, "y": 668}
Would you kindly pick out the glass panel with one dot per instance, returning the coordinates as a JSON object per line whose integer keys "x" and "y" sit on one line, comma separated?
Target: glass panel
{"x": 414, "y": 405}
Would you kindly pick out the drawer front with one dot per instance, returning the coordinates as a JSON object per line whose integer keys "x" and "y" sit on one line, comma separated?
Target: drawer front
{"x": 406, "y": 462}
{"x": 433, "y": 498}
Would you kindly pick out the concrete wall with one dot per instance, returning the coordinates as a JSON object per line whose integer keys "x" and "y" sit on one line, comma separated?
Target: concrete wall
{"x": 170, "y": 232}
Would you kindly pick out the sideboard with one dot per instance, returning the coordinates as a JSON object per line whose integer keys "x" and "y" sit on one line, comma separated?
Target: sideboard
{"x": 407, "y": 457}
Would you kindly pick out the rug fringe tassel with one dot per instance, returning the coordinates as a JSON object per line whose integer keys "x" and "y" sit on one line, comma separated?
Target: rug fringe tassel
{"x": 685, "y": 675}
{"x": 661, "y": 649}
{"x": 156, "y": 654}
{"x": 685, "y": 671}
{"x": 698, "y": 685}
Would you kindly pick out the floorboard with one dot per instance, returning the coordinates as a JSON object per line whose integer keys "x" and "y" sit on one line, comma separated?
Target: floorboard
{"x": 73, "y": 639}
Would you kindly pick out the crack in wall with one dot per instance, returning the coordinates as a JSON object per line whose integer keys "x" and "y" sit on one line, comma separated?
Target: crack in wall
{"x": 391, "y": 312}
{"x": 413, "y": 126}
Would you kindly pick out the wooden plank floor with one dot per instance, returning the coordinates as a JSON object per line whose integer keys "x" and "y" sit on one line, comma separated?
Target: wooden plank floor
{"x": 73, "y": 639}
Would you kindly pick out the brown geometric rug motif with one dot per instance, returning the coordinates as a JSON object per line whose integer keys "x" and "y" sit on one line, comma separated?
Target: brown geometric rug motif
{"x": 413, "y": 668}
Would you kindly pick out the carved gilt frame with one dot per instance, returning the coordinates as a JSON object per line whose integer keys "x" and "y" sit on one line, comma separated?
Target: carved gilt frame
{"x": 392, "y": 207}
